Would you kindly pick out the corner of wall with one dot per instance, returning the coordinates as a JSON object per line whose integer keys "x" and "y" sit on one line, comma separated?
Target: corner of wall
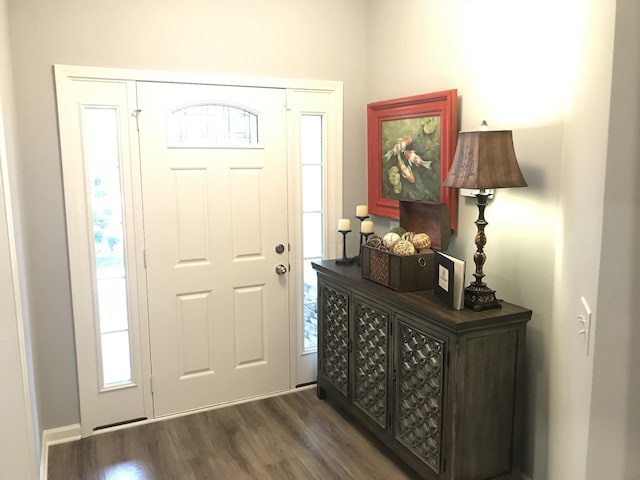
{"x": 55, "y": 436}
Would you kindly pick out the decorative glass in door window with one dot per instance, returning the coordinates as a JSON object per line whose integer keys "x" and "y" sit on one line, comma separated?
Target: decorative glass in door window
{"x": 213, "y": 125}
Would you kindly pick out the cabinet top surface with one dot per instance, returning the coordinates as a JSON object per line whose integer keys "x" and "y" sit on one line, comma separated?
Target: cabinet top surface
{"x": 421, "y": 302}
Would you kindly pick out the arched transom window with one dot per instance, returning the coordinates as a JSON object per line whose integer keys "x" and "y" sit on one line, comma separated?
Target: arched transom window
{"x": 213, "y": 125}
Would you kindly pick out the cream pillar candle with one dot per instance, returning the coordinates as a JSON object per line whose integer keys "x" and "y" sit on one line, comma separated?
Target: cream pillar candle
{"x": 366, "y": 226}
{"x": 344, "y": 224}
{"x": 362, "y": 211}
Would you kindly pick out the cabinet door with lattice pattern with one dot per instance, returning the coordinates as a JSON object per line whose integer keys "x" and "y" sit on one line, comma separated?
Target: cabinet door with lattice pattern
{"x": 333, "y": 318}
{"x": 419, "y": 391}
{"x": 371, "y": 360}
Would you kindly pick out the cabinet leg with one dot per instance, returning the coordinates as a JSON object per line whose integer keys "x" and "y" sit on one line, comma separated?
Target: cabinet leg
{"x": 321, "y": 392}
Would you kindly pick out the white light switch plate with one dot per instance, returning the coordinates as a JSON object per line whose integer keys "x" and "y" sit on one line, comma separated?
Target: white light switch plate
{"x": 584, "y": 322}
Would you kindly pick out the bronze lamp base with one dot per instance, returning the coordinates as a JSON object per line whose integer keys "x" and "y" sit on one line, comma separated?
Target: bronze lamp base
{"x": 480, "y": 297}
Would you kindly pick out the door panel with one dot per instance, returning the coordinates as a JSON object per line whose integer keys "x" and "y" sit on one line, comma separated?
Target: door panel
{"x": 218, "y": 311}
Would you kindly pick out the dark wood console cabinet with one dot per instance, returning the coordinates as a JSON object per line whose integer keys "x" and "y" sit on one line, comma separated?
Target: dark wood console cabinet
{"x": 439, "y": 387}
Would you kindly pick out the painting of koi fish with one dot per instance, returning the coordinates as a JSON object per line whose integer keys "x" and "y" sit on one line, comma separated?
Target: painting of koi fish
{"x": 405, "y": 171}
{"x": 412, "y": 145}
{"x": 414, "y": 159}
{"x": 410, "y": 148}
{"x": 400, "y": 147}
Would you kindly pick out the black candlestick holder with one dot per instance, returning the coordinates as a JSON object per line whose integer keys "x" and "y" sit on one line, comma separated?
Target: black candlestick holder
{"x": 362, "y": 219}
{"x": 359, "y": 257}
{"x": 344, "y": 260}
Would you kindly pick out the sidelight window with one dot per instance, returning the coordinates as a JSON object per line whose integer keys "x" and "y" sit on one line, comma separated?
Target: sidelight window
{"x": 102, "y": 149}
{"x": 312, "y": 153}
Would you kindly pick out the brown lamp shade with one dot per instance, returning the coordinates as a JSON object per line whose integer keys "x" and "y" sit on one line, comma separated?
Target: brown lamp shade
{"x": 485, "y": 159}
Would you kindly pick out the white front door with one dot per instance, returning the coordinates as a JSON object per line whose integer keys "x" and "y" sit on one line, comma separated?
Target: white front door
{"x": 214, "y": 186}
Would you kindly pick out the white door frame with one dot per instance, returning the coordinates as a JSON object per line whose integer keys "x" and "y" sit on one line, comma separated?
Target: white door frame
{"x": 66, "y": 74}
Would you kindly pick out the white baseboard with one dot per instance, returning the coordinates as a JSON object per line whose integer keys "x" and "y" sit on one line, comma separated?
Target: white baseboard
{"x": 53, "y": 436}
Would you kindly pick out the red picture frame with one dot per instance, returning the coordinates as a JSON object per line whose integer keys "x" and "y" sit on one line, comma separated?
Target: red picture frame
{"x": 411, "y": 144}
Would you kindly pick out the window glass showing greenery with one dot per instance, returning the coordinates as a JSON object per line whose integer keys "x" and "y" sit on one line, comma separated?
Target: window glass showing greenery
{"x": 101, "y": 144}
{"x": 312, "y": 154}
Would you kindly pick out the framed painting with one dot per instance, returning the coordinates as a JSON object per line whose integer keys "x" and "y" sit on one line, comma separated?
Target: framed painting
{"x": 411, "y": 144}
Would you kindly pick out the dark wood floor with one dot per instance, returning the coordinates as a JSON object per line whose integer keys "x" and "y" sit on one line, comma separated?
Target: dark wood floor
{"x": 294, "y": 436}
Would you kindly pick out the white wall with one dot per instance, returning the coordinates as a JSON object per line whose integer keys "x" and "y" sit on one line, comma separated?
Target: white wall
{"x": 19, "y": 442}
{"x": 281, "y": 38}
{"x": 17, "y": 446}
{"x": 546, "y": 77}
{"x": 578, "y": 245}
{"x": 614, "y": 431}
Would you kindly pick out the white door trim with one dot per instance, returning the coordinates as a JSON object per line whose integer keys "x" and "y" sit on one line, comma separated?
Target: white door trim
{"x": 65, "y": 74}
{"x": 105, "y": 73}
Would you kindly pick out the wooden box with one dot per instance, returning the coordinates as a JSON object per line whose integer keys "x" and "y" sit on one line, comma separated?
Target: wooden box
{"x": 430, "y": 218}
{"x": 402, "y": 273}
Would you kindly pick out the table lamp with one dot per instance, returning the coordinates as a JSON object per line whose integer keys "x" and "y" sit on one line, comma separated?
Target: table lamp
{"x": 483, "y": 160}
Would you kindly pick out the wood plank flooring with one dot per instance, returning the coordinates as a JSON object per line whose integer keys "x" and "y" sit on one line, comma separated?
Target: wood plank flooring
{"x": 294, "y": 436}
